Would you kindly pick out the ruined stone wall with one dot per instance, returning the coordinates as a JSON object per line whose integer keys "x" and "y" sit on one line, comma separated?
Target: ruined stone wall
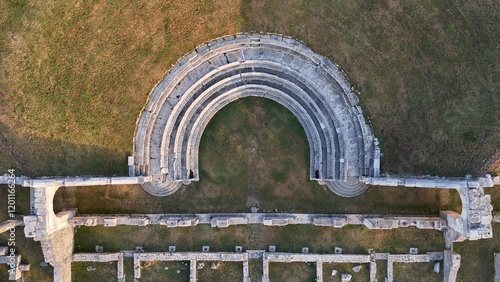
{"x": 342, "y": 145}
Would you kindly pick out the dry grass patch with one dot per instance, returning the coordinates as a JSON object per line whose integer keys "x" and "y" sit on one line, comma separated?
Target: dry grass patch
{"x": 226, "y": 271}
{"x": 425, "y": 71}
{"x": 76, "y": 74}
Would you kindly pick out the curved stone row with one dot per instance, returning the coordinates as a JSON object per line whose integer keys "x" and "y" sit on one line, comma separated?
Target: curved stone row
{"x": 180, "y": 106}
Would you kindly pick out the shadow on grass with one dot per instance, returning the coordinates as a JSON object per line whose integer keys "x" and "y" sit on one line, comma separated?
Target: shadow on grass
{"x": 353, "y": 239}
{"x": 34, "y": 156}
{"x": 477, "y": 257}
{"x": 31, "y": 253}
{"x": 254, "y": 153}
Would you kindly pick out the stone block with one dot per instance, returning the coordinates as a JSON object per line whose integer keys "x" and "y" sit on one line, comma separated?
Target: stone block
{"x": 346, "y": 277}
{"x": 357, "y": 268}
{"x": 90, "y": 222}
{"x": 215, "y": 265}
{"x": 110, "y": 221}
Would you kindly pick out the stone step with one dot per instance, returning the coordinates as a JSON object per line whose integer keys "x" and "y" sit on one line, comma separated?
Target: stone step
{"x": 345, "y": 189}
{"x": 308, "y": 84}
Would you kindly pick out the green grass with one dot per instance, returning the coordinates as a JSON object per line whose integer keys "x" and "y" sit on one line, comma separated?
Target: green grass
{"x": 413, "y": 272}
{"x": 227, "y": 271}
{"x": 244, "y": 163}
{"x": 353, "y": 239}
{"x": 425, "y": 71}
{"x": 381, "y": 270}
{"x": 128, "y": 267}
{"x": 165, "y": 271}
{"x": 292, "y": 272}
{"x": 255, "y": 268}
{"x": 363, "y": 275}
{"x": 22, "y": 199}
{"x": 101, "y": 271}
{"x": 477, "y": 257}
{"x": 75, "y": 75}
{"x": 31, "y": 253}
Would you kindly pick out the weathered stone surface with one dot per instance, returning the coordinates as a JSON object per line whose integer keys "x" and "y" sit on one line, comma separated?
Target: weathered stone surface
{"x": 437, "y": 267}
{"x": 476, "y": 218}
{"x": 267, "y": 219}
{"x": 346, "y": 277}
{"x": 451, "y": 266}
{"x": 342, "y": 146}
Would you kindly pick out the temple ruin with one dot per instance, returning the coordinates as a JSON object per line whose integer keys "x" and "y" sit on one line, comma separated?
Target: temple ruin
{"x": 344, "y": 156}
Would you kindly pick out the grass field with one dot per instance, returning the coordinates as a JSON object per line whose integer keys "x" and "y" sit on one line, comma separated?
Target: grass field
{"x": 165, "y": 271}
{"x": 74, "y": 76}
{"x": 93, "y": 271}
{"x": 293, "y": 272}
{"x": 412, "y": 272}
{"x": 477, "y": 257}
{"x": 363, "y": 275}
{"x": 353, "y": 239}
{"x": 425, "y": 69}
{"x": 235, "y": 175}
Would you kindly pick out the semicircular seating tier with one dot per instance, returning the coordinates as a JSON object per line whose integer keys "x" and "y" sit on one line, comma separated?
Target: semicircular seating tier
{"x": 169, "y": 129}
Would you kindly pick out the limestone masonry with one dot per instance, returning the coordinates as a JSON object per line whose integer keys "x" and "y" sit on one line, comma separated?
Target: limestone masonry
{"x": 167, "y": 138}
{"x": 344, "y": 156}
